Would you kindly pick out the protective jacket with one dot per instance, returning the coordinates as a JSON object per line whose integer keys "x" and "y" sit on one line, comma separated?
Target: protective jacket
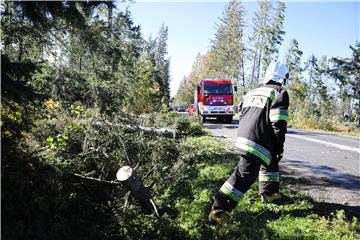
{"x": 263, "y": 122}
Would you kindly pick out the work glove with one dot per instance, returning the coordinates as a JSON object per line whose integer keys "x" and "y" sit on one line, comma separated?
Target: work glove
{"x": 268, "y": 198}
{"x": 278, "y": 157}
{"x": 278, "y": 152}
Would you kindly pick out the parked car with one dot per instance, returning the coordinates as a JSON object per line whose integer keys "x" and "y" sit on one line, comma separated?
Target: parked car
{"x": 191, "y": 109}
{"x": 181, "y": 109}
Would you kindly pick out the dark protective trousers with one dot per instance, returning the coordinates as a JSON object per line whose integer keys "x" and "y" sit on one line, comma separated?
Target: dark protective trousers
{"x": 245, "y": 174}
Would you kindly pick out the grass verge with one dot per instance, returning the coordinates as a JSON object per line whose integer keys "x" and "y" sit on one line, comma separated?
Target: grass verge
{"x": 329, "y": 125}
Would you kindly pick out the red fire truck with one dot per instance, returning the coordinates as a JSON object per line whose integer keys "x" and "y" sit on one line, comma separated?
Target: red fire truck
{"x": 215, "y": 98}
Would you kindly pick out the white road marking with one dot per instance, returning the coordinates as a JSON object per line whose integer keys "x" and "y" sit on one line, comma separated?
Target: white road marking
{"x": 343, "y": 147}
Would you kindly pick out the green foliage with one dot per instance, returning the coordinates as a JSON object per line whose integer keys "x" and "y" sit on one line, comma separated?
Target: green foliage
{"x": 187, "y": 127}
{"x": 162, "y": 63}
{"x": 346, "y": 73}
{"x": 68, "y": 69}
{"x": 260, "y": 39}
{"x": 302, "y": 119}
{"x": 227, "y": 52}
{"x": 185, "y": 93}
{"x": 70, "y": 53}
{"x": 58, "y": 142}
{"x": 87, "y": 69}
{"x": 297, "y": 89}
{"x": 273, "y": 36}
{"x": 184, "y": 176}
{"x": 313, "y": 100}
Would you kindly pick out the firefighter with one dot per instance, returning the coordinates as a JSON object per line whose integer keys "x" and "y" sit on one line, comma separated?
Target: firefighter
{"x": 260, "y": 142}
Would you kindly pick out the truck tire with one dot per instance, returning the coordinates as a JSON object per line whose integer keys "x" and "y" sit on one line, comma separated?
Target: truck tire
{"x": 203, "y": 119}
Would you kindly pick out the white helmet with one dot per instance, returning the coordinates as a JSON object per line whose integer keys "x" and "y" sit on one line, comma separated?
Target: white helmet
{"x": 277, "y": 72}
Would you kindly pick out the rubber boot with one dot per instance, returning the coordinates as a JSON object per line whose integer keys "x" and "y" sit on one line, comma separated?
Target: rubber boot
{"x": 219, "y": 217}
{"x": 268, "y": 198}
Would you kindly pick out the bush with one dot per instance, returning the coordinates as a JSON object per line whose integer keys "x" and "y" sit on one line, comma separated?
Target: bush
{"x": 301, "y": 119}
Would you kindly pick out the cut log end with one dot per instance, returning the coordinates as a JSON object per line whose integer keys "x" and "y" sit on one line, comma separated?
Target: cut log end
{"x": 124, "y": 173}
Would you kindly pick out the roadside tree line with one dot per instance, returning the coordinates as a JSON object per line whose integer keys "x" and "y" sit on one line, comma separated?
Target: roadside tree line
{"x": 323, "y": 89}
{"x": 83, "y": 51}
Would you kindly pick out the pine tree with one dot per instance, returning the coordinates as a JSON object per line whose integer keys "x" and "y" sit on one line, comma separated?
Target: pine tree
{"x": 297, "y": 88}
{"x": 312, "y": 65}
{"x": 145, "y": 92}
{"x": 346, "y": 73}
{"x": 258, "y": 38}
{"x": 162, "y": 64}
{"x": 199, "y": 71}
{"x": 183, "y": 97}
{"x": 293, "y": 60}
{"x": 274, "y": 36}
{"x": 323, "y": 97}
{"x": 227, "y": 52}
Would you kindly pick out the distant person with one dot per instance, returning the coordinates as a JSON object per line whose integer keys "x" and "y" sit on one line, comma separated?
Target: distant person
{"x": 240, "y": 106}
{"x": 260, "y": 142}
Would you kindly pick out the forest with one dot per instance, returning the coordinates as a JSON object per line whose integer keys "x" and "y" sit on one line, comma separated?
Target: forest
{"x": 77, "y": 75}
{"x": 324, "y": 90}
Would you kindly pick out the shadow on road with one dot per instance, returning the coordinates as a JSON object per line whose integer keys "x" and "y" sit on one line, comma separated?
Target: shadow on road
{"x": 216, "y": 124}
{"x": 333, "y": 177}
{"x": 309, "y": 133}
{"x": 305, "y": 133}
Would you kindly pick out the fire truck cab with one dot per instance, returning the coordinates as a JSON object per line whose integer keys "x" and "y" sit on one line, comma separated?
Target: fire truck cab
{"x": 215, "y": 98}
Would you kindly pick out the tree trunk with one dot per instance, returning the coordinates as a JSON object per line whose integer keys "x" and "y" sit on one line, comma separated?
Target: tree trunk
{"x": 21, "y": 43}
{"x": 243, "y": 70}
{"x": 254, "y": 66}
{"x": 7, "y": 12}
{"x": 128, "y": 177}
{"x": 110, "y": 13}
{"x": 258, "y": 66}
{"x": 264, "y": 27}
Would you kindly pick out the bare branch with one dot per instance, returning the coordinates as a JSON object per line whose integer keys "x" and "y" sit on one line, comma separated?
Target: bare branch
{"x": 97, "y": 180}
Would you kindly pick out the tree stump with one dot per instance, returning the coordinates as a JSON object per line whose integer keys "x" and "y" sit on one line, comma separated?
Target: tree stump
{"x": 128, "y": 177}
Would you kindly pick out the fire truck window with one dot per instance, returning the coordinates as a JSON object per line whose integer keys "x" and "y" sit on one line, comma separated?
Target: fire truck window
{"x": 217, "y": 89}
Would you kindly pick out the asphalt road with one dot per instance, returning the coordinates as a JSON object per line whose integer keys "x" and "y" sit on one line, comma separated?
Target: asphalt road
{"x": 324, "y": 166}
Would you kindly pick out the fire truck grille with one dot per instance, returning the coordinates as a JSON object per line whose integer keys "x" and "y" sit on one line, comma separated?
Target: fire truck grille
{"x": 217, "y": 112}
